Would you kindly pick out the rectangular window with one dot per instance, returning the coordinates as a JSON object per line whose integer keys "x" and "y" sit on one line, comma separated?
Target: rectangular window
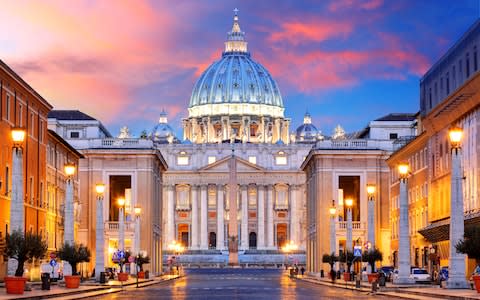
{"x": 435, "y": 91}
{"x": 74, "y": 135}
{"x": 460, "y": 71}
{"x": 7, "y": 181}
{"x": 467, "y": 65}
{"x": 8, "y": 108}
{"x": 182, "y": 159}
{"x": 40, "y": 134}
{"x": 41, "y": 195}
{"x": 393, "y": 136}
{"x": 454, "y": 81}
{"x": 20, "y": 115}
{"x": 281, "y": 160}
{"x": 31, "y": 190}
{"x": 211, "y": 159}
{"x": 252, "y": 159}
{"x": 447, "y": 83}
{"x": 32, "y": 124}
{"x": 430, "y": 97}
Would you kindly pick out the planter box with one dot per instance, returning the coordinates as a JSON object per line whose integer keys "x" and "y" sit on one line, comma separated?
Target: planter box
{"x": 141, "y": 274}
{"x": 15, "y": 285}
{"x": 122, "y": 276}
{"x": 72, "y": 282}
{"x": 346, "y": 276}
{"x": 476, "y": 281}
{"x": 372, "y": 277}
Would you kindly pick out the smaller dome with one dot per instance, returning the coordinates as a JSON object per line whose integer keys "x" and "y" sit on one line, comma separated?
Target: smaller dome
{"x": 307, "y": 132}
{"x": 162, "y": 132}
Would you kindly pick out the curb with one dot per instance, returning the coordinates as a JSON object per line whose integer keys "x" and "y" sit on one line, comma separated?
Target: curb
{"x": 394, "y": 293}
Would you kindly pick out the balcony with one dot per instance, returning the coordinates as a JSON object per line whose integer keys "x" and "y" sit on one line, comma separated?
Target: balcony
{"x": 354, "y": 144}
{"x": 113, "y": 226}
{"x": 356, "y": 225}
{"x": 281, "y": 206}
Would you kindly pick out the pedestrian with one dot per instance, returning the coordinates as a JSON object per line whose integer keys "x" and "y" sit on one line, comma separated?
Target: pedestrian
{"x": 333, "y": 275}
{"x": 302, "y": 270}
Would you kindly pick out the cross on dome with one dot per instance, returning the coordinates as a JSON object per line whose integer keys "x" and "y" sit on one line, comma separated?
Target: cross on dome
{"x": 236, "y": 37}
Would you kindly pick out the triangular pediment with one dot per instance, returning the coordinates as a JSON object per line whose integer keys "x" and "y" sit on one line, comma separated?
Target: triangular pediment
{"x": 222, "y": 165}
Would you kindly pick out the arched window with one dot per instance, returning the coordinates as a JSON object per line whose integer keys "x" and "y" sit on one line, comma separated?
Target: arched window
{"x": 252, "y": 240}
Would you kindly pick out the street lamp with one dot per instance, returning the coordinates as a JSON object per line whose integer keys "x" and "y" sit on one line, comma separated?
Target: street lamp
{"x": 68, "y": 235}
{"x": 17, "y": 213}
{"x": 333, "y": 240}
{"x": 456, "y": 263}
{"x": 121, "y": 223}
{"x": 349, "y": 204}
{"x": 137, "y": 210}
{"x": 289, "y": 247}
{"x": 177, "y": 248}
{"x": 371, "y": 189}
{"x": 403, "y": 229}
{"x": 99, "y": 238}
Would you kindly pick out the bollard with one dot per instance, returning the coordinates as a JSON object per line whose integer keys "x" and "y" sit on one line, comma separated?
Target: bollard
{"x": 45, "y": 281}
{"x": 357, "y": 281}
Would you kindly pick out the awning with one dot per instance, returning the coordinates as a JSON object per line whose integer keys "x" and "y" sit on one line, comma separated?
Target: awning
{"x": 440, "y": 230}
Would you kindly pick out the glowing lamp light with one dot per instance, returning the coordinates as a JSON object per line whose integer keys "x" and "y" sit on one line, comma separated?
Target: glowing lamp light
{"x": 349, "y": 202}
{"x": 137, "y": 210}
{"x": 333, "y": 210}
{"x": 69, "y": 169}
{"x": 455, "y": 134}
{"x": 371, "y": 189}
{"x": 121, "y": 202}
{"x": 403, "y": 170}
{"x": 100, "y": 188}
{"x": 18, "y": 135}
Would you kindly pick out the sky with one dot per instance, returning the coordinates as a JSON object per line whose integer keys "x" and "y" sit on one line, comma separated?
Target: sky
{"x": 345, "y": 61}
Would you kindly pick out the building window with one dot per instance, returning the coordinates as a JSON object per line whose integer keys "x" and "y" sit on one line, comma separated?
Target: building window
{"x": 32, "y": 123}
{"x": 20, "y": 115}
{"x": 252, "y": 159}
{"x": 183, "y": 197}
{"x": 8, "y": 108}
{"x": 467, "y": 65}
{"x": 475, "y": 61}
{"x": 281, "y": 197}
{"x": 7, "y": 181}
{"x": 430, "y": 97}
{"x": 31, "y": 190}
{"x": 182, "y": 159}
{"x": 211, "y": 159}
{"x": 454, "y": 81}
{"x": 74, "y": 134}
{"x": 447, "y": 83}
{"x": 393, "y": 136}
{"x": 212, "y": 196}
{"x": 281, "y": 158}
{"x": 40, "y": 134}
{"x": 252, "y": 198}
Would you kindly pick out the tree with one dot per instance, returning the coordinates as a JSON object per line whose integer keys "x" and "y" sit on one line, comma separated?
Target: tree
{"x": 74, "y": 254}
{"x": 470, "y": 245}
{"x": 371, "y": 257}
{"x": 24, "y": 248}
{"x": 330, "y": 259}
{"x": 348, "y": 259}
{"x": 141, "y": 260}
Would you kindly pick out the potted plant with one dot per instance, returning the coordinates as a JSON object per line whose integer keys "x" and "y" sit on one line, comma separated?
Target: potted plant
{"x": 348, "y": 259}
{"x": 23, "y": 248}
{"x": 120, "y": 257}
{"x": 141, "y": 260}
{"x": 330, "y": 259}
{"x": 470, "y": 245}
{"x": 73, "y": 254}
{"x": 372, "y": 256}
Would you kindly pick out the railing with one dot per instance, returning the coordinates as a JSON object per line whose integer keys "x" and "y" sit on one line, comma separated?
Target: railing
{"x": 281, "y": 206}
{"x": 120, "y": 143}
{"x": 355, "y": 144}
{"x": 114, "y": 226}
{"x": 183, "y": 206}
{"x": 342, "y": 225}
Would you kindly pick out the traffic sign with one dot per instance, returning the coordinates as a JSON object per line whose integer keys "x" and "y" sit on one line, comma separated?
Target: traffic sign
{"x": 53, "y": 262}
{"x": 357, "y": 251}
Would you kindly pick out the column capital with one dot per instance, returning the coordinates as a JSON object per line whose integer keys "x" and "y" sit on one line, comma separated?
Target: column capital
{"x": 244, "y": 187}
{"x": 203, "y": 187}
{"x": 261, "y": 187}
{"x": 269, "y": 186}
{"x": 195, "y": 186}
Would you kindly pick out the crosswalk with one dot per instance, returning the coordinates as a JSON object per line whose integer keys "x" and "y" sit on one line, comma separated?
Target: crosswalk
{"x": 235, "y": 288}
{"x": 241, "y": 278}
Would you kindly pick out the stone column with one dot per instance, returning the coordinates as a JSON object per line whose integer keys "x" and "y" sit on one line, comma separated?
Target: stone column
{"x": 270, "y": 217}
{"x": 220, "y": 218}
{"x": 99, "y": 239}
{"x": 261, "y": 218}
{"x": 121, "y": 228}
{"x": 17, "y": 211}
{"x": 403, "y": 237}
{"x": 170, "y": 214}
{"x": 244, "y": 225}
{"x": 333, "y": 234}
{"x": 294, "y": 221}
{"x": 203, "y": 218}
{"x": 349, "y": 230}
{"x": 68, "y": 214}
{"x": 195, "y": 224}
{"x": 456, "y": 263}
{"x": 371, "y": 221}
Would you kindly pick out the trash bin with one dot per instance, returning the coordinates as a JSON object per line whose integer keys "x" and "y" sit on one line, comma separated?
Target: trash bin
{"x": 45, "y": 281}
{"x": 103, "y": 278}
{"x": 357, "y": 281}
{"x": 382, "y": 279}
{"x": 147, "y": 275}
{"x": 322, "y": 273}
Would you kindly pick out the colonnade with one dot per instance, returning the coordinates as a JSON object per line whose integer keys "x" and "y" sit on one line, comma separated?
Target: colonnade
{"x": 265, "y": 214}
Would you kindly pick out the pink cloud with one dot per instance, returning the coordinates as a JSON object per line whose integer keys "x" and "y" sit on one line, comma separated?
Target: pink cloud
{"x": 348, "y": 4}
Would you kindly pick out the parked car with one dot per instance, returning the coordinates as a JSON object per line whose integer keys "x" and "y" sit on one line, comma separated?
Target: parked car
{"x": 420, "y": 275}
{"x": 388, "y": 271}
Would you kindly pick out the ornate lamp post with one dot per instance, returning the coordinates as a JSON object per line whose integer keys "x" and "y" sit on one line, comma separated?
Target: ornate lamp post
{"x": 287, "y": 248}
{"x": 403, "y": 230}
{"x": 456, "y": 263}
{"x": 349, "y": 204}
{"x": 17, "y": 213}
{"x": 121, "y": 224}
{"x": 333, "y": 240}
{"x": 68, "y": 235}
{"x": 99, "y": 238}
{"x": 371, "y": 189}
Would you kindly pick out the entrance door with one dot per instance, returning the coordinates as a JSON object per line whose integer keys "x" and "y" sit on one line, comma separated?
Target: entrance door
{"x": 212, "y": 240}
{"x": 252, "y": 240}
{"x": 281, "y": 234}
{"x": 183, "y": 234}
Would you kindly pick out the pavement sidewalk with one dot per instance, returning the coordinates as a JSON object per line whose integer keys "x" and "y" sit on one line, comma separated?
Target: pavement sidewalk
{"x": 417, "y": 291}
{"x": 86, "y": 289}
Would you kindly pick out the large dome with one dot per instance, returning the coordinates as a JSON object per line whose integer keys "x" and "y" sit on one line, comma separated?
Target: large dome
{"x": 236, "y": 84}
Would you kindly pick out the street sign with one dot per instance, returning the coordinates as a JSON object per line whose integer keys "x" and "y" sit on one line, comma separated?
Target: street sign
{"x": 53, "y": 262}
{"x": 357, "y": 251}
